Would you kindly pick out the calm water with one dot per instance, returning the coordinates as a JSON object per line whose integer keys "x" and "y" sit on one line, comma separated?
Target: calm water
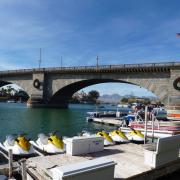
{"x": 17, "y": 118}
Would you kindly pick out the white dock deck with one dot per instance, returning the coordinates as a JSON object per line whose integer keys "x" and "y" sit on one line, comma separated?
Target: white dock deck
{"x": 129, "y": 159}
{"x": 108, "y": 121}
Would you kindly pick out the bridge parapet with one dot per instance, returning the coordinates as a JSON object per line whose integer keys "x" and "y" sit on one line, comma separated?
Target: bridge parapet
{"x": 122, "y": 67}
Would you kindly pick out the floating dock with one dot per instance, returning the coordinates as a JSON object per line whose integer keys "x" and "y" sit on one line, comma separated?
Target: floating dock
{"x": 107, "y": 121}
{"x": 119, "y": 123}
{"x": 129, "y": 159}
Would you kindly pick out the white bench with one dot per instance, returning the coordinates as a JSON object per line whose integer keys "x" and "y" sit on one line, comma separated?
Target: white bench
{"x": 166, "y": 150}
{"x": 97, "y": 169}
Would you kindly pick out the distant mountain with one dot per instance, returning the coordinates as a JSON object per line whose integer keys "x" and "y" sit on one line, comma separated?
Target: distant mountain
{"x": 116, "y": 98}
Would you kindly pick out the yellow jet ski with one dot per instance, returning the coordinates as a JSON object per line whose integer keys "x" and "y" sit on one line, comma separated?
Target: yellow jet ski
{"x": 49, "y": 143}
{"x": 135, "y": 135}
{"x": 118, "y": 136}
{"x": 107, "y": 139}
{"x": 19, "y": 145}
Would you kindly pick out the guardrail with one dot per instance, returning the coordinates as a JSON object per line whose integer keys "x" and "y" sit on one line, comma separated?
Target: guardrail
{"x": 121, "y": 66}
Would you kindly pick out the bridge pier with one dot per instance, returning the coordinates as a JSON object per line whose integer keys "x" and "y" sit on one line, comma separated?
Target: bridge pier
{"x": 32, "y": 103}
{"x": 173, "y": 105}
{"x": 35, "y": 102}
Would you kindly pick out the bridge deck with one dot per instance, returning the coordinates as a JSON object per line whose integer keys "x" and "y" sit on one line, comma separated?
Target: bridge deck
{"x": 144, "y": 67}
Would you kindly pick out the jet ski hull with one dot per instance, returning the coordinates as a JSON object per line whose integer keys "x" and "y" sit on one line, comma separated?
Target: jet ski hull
{"x": 17, "y": 152}
{"x": 49, "y": 148}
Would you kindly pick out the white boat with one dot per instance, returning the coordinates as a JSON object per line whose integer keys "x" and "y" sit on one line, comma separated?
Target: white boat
{"x": 49, "y": 143}
{"x": 11, "y": 101}
{"x": 135, "y": 135}
{"x": 118, "y": 136}
{"x": 107, "y": 139}
{"x": 173, "y": 114}
{"x": 19, "y": 145}
{"x": 123, "y": 106}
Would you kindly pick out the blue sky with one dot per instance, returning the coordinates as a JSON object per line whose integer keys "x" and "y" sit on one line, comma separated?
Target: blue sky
{"x": 119, "y": 31}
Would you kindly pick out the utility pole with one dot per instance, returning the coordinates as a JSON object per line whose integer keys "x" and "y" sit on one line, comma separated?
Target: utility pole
{"x": 40, "y": 58}
{"x": 61, "y": 61}
{"x": 97, "y": 61}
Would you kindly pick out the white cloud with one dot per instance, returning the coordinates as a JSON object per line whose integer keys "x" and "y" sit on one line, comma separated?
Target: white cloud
{"x": 6, "y": 65}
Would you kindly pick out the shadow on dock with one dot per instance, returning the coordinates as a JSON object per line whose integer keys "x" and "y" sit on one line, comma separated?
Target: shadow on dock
{"x": 105, "y": 152}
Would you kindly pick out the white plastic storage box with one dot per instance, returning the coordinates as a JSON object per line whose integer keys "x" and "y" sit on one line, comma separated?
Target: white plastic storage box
{"x": 83, "y": 145}
{"x": 97, "y": 169}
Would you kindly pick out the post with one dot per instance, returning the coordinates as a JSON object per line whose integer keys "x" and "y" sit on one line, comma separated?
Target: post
{"x": 97, "y": 61}
{"x": 153, "y": 118}
{"x": 23, "y": 169}
{"x": 61, "y": 62}
{"x": 40, "y": 58}
{"x": 145, "y": 125}
{"x": 10, "y": 162}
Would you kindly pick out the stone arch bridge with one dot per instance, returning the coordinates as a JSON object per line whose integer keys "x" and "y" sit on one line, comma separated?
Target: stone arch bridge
{"x": 53, "y": 87}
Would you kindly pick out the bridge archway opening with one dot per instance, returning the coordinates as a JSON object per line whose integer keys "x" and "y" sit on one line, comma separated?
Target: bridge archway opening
{"x": 120, "y": 88}
{"x": 10, "y": 91}
{"x": 65, "y": 94}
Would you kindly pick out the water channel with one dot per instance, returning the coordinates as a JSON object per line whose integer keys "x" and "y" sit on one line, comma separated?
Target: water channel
{"x": 16, "y": 118}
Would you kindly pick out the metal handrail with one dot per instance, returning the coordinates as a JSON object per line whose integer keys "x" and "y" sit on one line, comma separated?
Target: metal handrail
{"x": 121, "y": 66}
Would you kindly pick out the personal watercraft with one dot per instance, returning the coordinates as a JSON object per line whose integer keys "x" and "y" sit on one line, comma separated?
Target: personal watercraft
{"x": 135, "y": 135}
{"x": 19, "y": 145}
{"x": 118, "y": 136}
{"x": 84, "y": 133}
{"x": 49, "y": 143}
{"x": 107, "y": 139}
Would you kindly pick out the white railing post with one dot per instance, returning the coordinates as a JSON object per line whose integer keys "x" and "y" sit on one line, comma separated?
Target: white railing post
{"x": 153, "y": 118}
{"x": 145, "y": 126}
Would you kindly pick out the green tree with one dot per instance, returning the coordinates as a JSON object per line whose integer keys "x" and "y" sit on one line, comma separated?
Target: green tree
{"x": 124, "y": 100}
{"x": 3, "y": 91}
{"x": 21, "y": 95}
{"x": 93, "y": 96}
{"x": 9, "y": 90}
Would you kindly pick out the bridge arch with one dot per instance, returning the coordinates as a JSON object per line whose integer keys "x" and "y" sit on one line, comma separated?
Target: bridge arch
{"x": 22, "y": 93}
{"x": 63, "y": 95}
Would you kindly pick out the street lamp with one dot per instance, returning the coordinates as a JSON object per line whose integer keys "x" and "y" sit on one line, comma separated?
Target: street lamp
{"x": 40, "y": 58}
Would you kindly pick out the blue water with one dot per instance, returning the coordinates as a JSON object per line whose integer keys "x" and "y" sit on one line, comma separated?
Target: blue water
{"x": 16, "y": 118}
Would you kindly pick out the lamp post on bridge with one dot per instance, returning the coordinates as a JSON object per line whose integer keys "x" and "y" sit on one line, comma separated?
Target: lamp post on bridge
{"x": 40, "y": 58}
{"x": 61, "y": 62}
{"x": 97, "y": 61}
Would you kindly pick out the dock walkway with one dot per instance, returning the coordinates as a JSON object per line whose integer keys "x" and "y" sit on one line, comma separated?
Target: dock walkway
{"x": 129, "y": 158}
{"x": 108, "y": 121}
